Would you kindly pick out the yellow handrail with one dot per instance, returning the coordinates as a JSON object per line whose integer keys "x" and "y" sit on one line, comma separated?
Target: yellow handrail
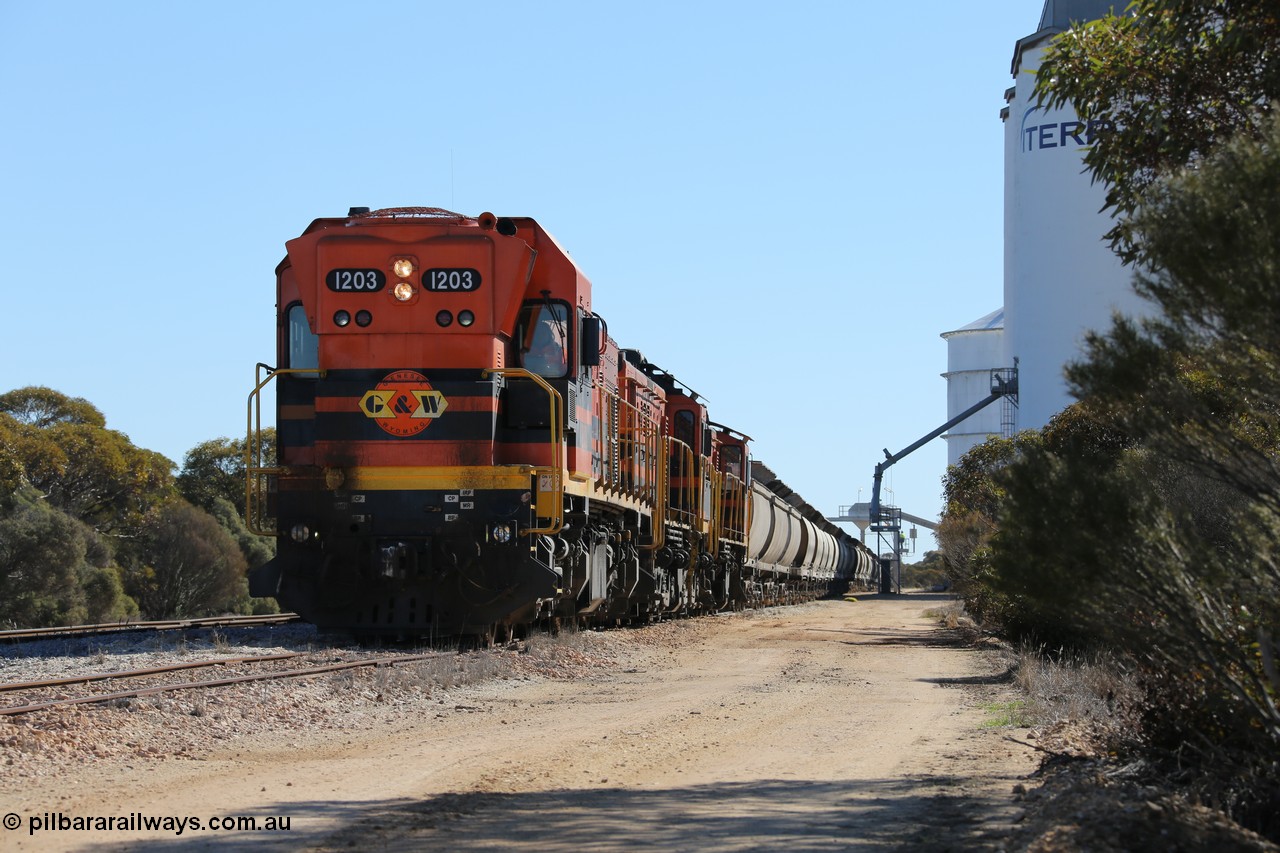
{"x": 627, "y": 448}
{"x": 685, "y": 508}
{"x": 658, "y": 520}
{"x": 716, "y": 528}
{"x": 555, "y": 473}
{"x": 255, "y": 471}
{"x": 732, "y": 508}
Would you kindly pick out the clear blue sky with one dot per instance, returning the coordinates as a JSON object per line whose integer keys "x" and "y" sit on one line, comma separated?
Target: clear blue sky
{"x": 784, "y": 204}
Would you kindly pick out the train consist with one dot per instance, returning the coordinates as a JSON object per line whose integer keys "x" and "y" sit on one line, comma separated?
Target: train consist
{"x": 462, "y": 449}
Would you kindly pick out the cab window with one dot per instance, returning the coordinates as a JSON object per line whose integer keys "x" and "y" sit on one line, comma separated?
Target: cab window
{"x": 731, "y": 460}
{"x": 544, "y": 339}
{"x": 304, "y": 345}
{"x": 683, "y": 428}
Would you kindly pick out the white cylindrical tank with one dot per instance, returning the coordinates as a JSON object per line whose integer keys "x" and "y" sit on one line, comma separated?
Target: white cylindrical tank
{"x": 769, "y": 534}
{"x": 1060, "y": 279}
{"x": 973, "y": 351}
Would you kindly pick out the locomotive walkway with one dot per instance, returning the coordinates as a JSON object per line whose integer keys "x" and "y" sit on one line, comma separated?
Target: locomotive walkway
{"x": 828, "y": 726}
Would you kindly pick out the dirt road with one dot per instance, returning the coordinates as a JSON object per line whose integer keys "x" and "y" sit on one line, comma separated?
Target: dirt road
{"x": 829, "y": 726}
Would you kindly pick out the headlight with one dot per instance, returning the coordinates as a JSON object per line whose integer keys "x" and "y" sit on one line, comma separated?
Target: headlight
{"x": 402, "y": 267}
{"x": 300, "y": 533}
{"x": 502, "y": 532}
{"x": 403, "y": 291}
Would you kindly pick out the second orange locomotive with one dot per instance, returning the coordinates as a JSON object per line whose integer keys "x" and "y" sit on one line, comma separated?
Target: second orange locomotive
{"x": 462, "y": 448}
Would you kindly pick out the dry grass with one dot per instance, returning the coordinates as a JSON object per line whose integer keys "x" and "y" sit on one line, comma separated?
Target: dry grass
{"x": 952, "y": 615}
{"x": 1076, "y": 689}
{"x": 549, "y": 646}
{"x": 1091, "y": 700}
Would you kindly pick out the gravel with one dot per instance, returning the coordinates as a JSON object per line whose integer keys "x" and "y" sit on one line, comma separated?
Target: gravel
{"x": 186, "y": 724}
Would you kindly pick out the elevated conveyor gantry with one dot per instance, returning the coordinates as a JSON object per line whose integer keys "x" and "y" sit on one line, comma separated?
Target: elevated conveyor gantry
{"x": 1004, "y": 383}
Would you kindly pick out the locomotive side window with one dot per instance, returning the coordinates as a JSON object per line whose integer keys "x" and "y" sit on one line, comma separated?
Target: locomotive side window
{"x": 544, "y": 339}
{"x": 731, "y": 460}
{"x": 683, "y": 429}
{"x": 304, "y": 345}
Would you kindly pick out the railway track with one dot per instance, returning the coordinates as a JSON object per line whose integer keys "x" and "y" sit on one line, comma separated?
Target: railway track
{"x": 151, "y": 674}
{"x": 25, "y": 634}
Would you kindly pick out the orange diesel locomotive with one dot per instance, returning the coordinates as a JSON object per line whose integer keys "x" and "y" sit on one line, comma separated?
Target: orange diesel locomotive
{"x": 462, "y": 449}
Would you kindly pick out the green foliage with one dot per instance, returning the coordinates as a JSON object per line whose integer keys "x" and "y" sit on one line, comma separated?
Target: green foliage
{"x": 42, "y": 408}
{"x": 213, "y": 479}
{"x": 1148, "y": 518}
{"x": 1057, "y": 495}
{"x": 37, "y": 460}
{"x": 216, "y": 469}
{"x": 105, "y": 598}
{"x": 257, "y": 550}
{"x": 106, "y": 481}
{"x": 1204, "y": 399}
{"x": 1175, "y": 79}
{"x": 12, "y": 472}
{"x": 191, "y": 565}
{"x": 929, "y": 573}
{"x": 261, "y": 607}
{"x": 1213, "y": 614}
{"x": 1013, "y": 714}
{"x": 1016, "y": 562}
{"x": 85, "y": 514}
{"x": 42, "y": 556}
{"x": 970, "y": 485}
{"x": 973, "y": 496}
{"x": 1210, "y": 366}
{"x": 94, "y": 474}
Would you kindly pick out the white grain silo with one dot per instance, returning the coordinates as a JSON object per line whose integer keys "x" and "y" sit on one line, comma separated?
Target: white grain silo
{"x": 972, "y": 352}
{"x": 1060, "y": 279}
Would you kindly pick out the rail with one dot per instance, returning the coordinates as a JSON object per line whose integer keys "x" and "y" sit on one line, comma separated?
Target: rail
{"x": 216, "y": 682}
{"x": 93, "y": 677}
{"x": 257, "y": 474}
{"x": 25, "y": 634}
{"x": 549, "y": 503}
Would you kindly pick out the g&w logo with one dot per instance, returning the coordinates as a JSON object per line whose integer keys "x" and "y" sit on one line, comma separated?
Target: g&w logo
{"x": 404, "y": 403}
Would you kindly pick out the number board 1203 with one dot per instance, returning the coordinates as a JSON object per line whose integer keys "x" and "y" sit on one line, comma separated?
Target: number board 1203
{"x": 451, "y": 280}
{"x": 356, "y": 280}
